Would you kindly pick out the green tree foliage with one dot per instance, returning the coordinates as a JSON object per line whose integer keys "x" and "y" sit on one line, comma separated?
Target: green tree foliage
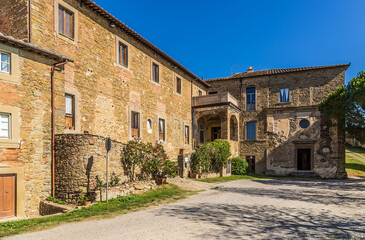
{"x": 201, "y": 159}
{"x": 239, "y": 166}
{"x": 211, "y": 156}
{"x": 347, "y": 105}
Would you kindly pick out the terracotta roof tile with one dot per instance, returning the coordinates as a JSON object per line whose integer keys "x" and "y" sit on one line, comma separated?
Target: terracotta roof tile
{"x": 275, "y": 71}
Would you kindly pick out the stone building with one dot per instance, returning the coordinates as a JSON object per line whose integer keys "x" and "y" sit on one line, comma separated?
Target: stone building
{"x": 114, "y": 83}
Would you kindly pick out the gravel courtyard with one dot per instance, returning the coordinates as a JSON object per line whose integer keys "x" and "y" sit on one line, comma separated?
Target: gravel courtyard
{"x": 245, "y": 209}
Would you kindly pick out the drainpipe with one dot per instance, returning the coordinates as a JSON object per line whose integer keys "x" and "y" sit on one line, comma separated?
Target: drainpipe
{"x": 192, "y": 118}
{"x": 30, "y": 21}
{"x": 53, "y": 124}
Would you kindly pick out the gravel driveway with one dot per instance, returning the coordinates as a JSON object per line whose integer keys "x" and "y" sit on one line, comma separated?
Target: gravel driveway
{"x": 245, "y": 209}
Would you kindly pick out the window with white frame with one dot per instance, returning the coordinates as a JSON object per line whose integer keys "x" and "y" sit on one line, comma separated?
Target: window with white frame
{"x": 5, "y": 62}
{"x": 5, "y": 119}
{"x": 284, "y": 95}
{"x": 70, "y": 111}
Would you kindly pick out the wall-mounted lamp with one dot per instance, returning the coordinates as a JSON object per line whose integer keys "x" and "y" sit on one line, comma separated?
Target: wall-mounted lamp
{"x": 112, "y": 25}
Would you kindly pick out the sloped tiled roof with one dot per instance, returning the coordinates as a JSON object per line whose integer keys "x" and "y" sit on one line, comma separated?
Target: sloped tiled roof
{"x": 275, "y": 71}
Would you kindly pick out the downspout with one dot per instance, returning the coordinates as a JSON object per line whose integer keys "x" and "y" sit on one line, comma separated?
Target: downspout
{"x": 192, "y": 119}
{"x": 53, "y": 124}
{"x": 30, "y": 21}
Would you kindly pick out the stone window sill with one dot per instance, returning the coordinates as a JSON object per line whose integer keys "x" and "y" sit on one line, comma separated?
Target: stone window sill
{"x": 9, "y": 143}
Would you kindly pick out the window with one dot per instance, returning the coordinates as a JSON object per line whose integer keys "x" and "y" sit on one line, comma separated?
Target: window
{"x": 5, "y": 125}
{"x": 161, "y": 129}
{"x": 149, "y": 125}
{"x": 251, "y": 131}
{"x": 284, "y": 95}
{"x": 70, "y": 112}
{"x": 123, "y": 54}
{"x": 65, "y": 22}
{"x": 135, "y": 125}
{"x": 200, "y": 93}
{"x": 178, "y": 85}
{"x": 251, "y": 99}
{"x": 155, "y": 73}
{"x": 212, "y": 93}
{"x": 5, "y": 63}
{"x": 187, "y": 135}
{"x": 304, "y": 123}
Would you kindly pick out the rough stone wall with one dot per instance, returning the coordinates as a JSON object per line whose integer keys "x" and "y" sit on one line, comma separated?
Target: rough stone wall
{"x": 80, "y": 158}
{"x": 307, "y": 88}
{"x": 106, "y": 91}
{"x": 14, "y": 18}
{"x": 30, "y": 95}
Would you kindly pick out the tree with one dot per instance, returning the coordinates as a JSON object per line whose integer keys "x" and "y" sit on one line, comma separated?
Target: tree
{"x": 347, "y": 105}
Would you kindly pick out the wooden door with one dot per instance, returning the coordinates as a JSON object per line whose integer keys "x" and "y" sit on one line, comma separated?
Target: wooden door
{"x": 251, "y": 163}
{"x": 304, "y": 159}
{"x": 7, "y": 195}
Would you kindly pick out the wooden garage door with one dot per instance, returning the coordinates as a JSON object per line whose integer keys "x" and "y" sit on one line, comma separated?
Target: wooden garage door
{"x": 7, "y": 195}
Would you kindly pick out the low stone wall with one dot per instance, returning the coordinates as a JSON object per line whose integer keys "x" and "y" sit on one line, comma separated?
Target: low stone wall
{"x": 49, "y": 208}
{"x": 124, "y": 190}
{"x": 79, "y": 159}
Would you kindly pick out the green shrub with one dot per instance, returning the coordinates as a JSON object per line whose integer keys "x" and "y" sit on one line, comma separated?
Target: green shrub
{"x": 201, "y": 159}
{"x": 239, "y": 166}
{"x": 55, "y": 200}
{"x": 220, "y": 151}
{"x": 169, "y": 169}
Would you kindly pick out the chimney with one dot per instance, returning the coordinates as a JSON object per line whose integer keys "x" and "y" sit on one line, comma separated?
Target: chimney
{"x": 250, "y": 69}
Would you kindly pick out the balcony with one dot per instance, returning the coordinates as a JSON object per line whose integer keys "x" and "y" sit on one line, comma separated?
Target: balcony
{"x": 215, "y": 100}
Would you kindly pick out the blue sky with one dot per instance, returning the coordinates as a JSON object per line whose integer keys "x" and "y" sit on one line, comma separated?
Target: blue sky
{"x": 212, "y": 38}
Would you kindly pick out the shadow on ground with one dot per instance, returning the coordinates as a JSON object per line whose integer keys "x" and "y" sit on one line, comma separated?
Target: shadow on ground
{"x": 267, "y": 222}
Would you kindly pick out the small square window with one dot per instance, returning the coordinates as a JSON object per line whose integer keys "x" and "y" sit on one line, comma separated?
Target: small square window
{"x": 178, "y": 85}
{"x": 155, "y": 73}
{"x": 284, "y": 95}
{"x": 5, "y": 129}
{"x": 123, "y": 54}
{"x": 5, "y": 63}
{"x": 66, "y": 22}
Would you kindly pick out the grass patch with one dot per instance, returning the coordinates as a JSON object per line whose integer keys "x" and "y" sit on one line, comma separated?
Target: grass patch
{"x": 114, "y": 207}
{"x": 231, "y": 178}
{"x": 354, "y": 167}
{"x": 355, "y": 149}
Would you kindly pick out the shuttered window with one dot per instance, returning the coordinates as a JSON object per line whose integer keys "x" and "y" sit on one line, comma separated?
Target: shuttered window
{"x": 135, "y": 126}
{"x": 5, "y": 62}
{"x": 155, "y": 73}
{"x": 284, "y": 95}
{"x": 251, "y": 131}
{"x": 5, "y": 125}
{"x": 66, "y": 22}
{"x": 187, "y": 135}
{"x": 123, "y": 54}
{"x": 178, "y": 85}
{"x": 161, "y": 129}
{"x": 70, "y": 112}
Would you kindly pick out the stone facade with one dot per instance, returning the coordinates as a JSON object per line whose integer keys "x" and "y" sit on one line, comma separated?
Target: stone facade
{"x": 278, "y": 132}
{"x": 105, "y": 93}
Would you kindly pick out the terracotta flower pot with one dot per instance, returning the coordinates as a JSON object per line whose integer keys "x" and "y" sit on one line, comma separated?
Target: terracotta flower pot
{"x": 160, "y": 180}
{"x": 195, "y": 175}
{"x": 87, "y": 203}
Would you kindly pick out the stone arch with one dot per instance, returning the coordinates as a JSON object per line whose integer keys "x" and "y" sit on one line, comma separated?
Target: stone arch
{"x": 233, "y": 128}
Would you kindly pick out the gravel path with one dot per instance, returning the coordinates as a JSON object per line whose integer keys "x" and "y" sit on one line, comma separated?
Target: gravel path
{"x": 245, "y": 209}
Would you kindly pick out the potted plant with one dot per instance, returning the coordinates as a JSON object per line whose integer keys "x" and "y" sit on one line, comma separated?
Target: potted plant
{"x": 84, "y": 200}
